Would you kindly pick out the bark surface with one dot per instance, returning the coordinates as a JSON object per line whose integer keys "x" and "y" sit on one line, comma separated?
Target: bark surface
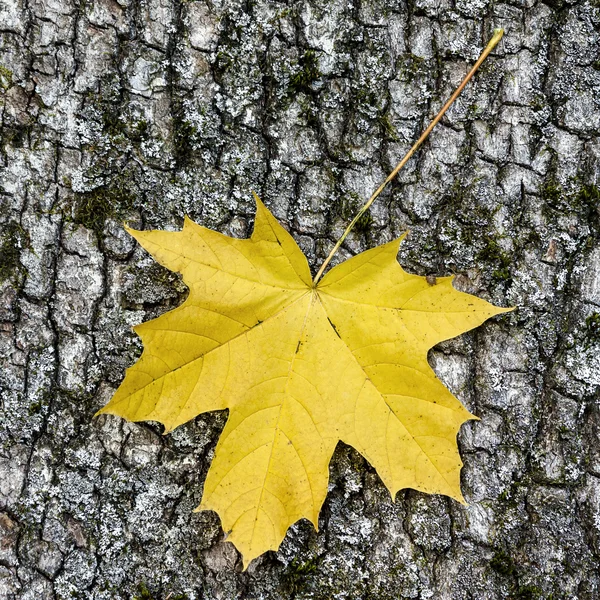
{"x": 147, "y": 110}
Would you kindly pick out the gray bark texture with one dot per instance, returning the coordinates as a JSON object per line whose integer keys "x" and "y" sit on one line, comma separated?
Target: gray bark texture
{"x": 147, "y": 110}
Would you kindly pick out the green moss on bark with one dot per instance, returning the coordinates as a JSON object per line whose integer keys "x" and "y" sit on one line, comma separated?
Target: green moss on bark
{"x": 12, "y": 241}
{"x": 92, "y": 209}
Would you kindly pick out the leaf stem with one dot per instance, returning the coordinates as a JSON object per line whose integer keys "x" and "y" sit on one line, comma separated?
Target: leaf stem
{"x": 491, "y": 45}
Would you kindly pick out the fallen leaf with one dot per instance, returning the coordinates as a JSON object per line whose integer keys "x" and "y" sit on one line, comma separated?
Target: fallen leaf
{"x": 300, "y": 367}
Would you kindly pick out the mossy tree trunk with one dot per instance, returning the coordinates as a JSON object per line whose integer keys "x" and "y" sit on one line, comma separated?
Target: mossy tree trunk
{"x": 147, "y": 110}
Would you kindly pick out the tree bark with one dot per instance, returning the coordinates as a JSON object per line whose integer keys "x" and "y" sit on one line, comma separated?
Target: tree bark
{"x": 145, "y": 111}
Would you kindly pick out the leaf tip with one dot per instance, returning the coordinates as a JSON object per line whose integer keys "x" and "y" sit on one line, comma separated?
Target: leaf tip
{"x": 393, "y": 247}
{"x": 107, "y": 410}
{"x": 315, "y": 522}
{"x": 500, "y": 310}
{"x": 204, "y": 505}
{"x": 461, "y": 499}
{"x": 259, "y": 202}
{"x": 128, "y": 229}
{"x": 99, "y": 412}
{"x": 402, "y": 237}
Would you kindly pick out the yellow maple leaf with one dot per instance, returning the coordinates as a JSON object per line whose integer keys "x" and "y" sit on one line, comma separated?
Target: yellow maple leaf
{"x": 300, "y": 366}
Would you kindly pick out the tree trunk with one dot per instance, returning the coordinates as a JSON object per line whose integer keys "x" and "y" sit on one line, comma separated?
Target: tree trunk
{"x": 147, "y": 110}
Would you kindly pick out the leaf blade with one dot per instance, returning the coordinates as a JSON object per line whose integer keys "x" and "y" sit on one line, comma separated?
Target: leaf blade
{"x": 300, "y": 367}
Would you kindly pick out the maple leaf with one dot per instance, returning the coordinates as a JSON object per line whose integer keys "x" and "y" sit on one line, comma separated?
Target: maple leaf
{"x": 300, "y": 366}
